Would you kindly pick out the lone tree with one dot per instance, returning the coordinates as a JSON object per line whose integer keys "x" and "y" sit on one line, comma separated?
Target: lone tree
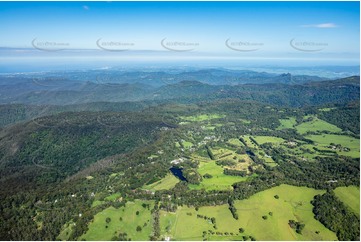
{"x": 108, "y": 220}
{"x": 139, "y": 228}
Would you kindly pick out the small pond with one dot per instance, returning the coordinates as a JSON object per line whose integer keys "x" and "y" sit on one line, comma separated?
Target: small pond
{"x": 177, "y": 172}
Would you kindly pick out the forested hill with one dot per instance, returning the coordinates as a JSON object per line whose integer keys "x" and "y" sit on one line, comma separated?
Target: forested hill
{"x": 49, "y": 149}
{"x": 310, "y": 94}
{"x": 186, "y": 91}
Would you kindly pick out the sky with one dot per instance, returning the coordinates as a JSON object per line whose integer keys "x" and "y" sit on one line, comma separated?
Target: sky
{"x": 312, "y": 32}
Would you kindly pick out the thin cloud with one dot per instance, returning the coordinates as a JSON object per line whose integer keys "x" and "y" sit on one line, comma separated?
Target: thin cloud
{"x": 324, "y": 25}
{"x": 85, "y": 7}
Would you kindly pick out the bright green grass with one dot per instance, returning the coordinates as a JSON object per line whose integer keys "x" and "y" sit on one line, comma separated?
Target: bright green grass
{"x": 350, "y": 196}
{"x": 227, "y": 154}
{"x": 219, "y": 181}
{"x": 202, "y": 117}
{"x": 113, "y": 197}
{"x": 166, "y": 183}
{"x": 316, "y": 125}
{"x": 66, "y": 231}
{"x": 268, "y": 139}
{"x": 235, "y": 142}
{"x": 97, "y": 203}
{"x": 184, "y": 123}
{"x": 345, "y": 141}
{"x": 293, "y": 203}
{"x": 326, "y": 109}
{"x": 187, "y": 144}
{"x": 287, "y": 123}
{"x": 129, "y": 223}
{"x": 180, "y": 226}
{"x": 218, "y": 152}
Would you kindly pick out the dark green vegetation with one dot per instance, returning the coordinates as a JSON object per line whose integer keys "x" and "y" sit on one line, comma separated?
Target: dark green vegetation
{"x": 50, "y": 149}
{"x": 66, "y": 169}
{"x": 336, "y": 216}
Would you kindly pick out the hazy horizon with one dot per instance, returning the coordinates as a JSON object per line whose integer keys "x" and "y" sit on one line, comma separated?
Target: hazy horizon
{"x": 55, "y": 35}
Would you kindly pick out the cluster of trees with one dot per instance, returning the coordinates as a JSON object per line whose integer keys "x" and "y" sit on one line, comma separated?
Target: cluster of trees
{"x": 296, "y": 226}
{"x": 232, "y": 208}
{"x": 347, "y": 117}
{"x": 121, "y": 237}
{"x": 226, "y": 162}
{"x": 156, "y": 222}
{"x": 335, "y": 216}
{"x": 192, "y": 176}
{"x": 209, "y": 152}
{"x": 231, "y": 172}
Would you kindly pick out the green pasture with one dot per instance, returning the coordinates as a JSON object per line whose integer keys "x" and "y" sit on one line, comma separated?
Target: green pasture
{"x": 350, "y": 196}
{"x": 166, "y": 183}
{"x": 293, "y": 204}
{"x": 202, "y": 117}
{"x": 122, "y": 220}
{"x": 219, "y": 181}
{"x": 287, "y": 123}
{"x": 316, "y": 125}
{"x": 345, "y": 141}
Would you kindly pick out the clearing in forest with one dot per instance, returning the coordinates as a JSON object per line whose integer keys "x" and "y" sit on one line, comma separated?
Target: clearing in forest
{"x": 133, "y": 219}
{"x": 293, "y": 203}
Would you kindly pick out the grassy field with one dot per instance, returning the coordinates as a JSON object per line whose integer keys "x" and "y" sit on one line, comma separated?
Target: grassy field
{"x": 235, "y": 142}
{"x": 350, "y": 196}
{"x": 227, "y": 154}
{"x": 202, "y": 117}
{"x": 293, "y": 203}
{"x": 311, "y": 154}
{"x": 166, "y": 183}
{"x": 287, "y": 123}
{"x": 316, "y": 125}
{"x": 248, "y": 141}
{"x": 268, "y": 139}
{"x": 97, "y": 203}
{"x": 187, "y": 144}
{"x": 345, "y": 141}
{"x": 219, "y": 181}
{"x": 182, "y": 226}
{"x": 123, "y": 220}
{"x": 113, "y": 197}
{"x": 326, "y": 109}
